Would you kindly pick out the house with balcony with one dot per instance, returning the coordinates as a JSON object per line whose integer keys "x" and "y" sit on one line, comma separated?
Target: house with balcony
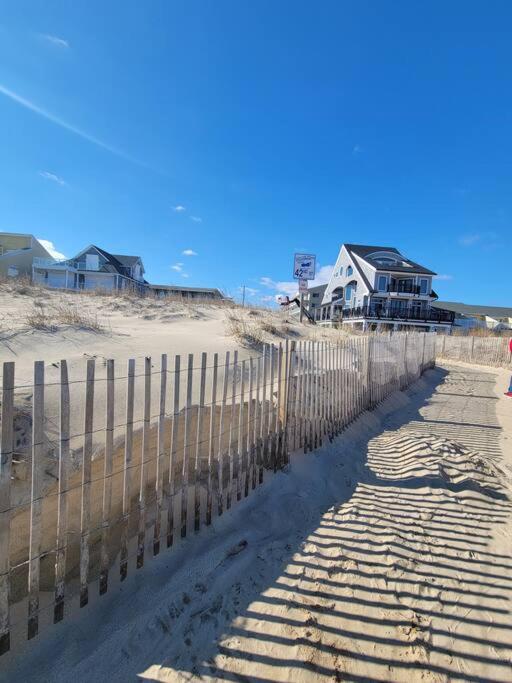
{"x": 92, "y": 268}
{"x": 17, "y": 254}
{"x": 380, "y": 288}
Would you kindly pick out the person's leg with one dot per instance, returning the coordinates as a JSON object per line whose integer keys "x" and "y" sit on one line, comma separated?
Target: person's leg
{"x": 509, "y": 392}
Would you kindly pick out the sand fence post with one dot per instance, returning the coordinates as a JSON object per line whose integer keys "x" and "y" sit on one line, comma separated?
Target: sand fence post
{"x": 211, "y": 440}
{"x": 36, "y": 500}
{"x": 6, "y": 451}
{"x": 186, "y": 446}
{"x": 159, "y": 474}
{"x": 106, "y": 508}
{"x": 127, "y": 470}
{"x": 172, "y": 450}
{"x": 197, "y": 462}
{"x": 62, "y": 494}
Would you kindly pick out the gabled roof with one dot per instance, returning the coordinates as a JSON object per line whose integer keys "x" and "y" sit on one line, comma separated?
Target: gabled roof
{"x": 114, "y": 264}
{"x": 408, "y": 266}
{"x": 472, "y": 310}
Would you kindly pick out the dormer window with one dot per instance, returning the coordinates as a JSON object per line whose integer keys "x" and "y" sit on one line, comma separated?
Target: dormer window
{"x": 350, "y": 270}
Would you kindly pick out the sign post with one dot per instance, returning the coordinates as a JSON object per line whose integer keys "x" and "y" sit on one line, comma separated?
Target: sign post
{"x": 304, "y": 266}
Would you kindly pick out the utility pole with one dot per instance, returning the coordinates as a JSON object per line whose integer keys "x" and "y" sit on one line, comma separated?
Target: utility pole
{"x": 301, "y": 316}
{"x": 243, "y": 296}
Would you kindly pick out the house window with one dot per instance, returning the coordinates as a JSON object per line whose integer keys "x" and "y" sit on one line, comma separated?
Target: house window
{"x": 340, "y": 272}
{"x": 382, "y": 285}
{"x": 349, "y": 271}
{"x": 424, "y": 285}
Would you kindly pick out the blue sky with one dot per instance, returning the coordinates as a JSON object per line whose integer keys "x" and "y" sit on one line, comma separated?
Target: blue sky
{"x": 244, "y": 131}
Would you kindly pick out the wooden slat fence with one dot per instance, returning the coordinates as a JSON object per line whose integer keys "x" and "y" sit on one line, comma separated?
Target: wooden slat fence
{"x": 493, "y": 351}
{"x": 191, "y": 440}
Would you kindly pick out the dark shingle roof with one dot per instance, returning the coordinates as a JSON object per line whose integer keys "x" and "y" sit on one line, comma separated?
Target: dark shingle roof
{"x": 364, "y": 251}
{"x": 117, "y": 263}
{"x": 473, "y": 310}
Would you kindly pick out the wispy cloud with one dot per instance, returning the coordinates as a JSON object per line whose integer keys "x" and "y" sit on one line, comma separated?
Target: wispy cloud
{"x": 356, "y": 150}
{"x": 443, "y": 277}
{"x": 179, "y": 208}
{"x": 55, "y": 40}
{"x": 177, "y": 267}
{"x": 50, "y": 248}
{"x": 196, "y": 219}
{"x": 184, "y": 275}
{"x": 53, "y": 177}
{"x": 487, "y": 241}
{"x": 470, "y": 239}
{"x": 189, "y": 252}
{"x": 31, "y": 106}
{"x": 250, "y": 291}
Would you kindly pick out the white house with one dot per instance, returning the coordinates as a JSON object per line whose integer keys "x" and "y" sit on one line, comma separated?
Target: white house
{"x": 378, "y": 287}
{"x": 92, "y": 268}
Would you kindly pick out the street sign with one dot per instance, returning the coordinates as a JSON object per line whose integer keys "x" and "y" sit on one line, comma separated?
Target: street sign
{"x": 304, "y": 267}
{"x": 303, "y": 286}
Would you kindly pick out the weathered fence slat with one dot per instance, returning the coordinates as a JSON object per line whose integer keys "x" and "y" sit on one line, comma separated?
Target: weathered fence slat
{"x": 199, "y": 432}
{"x": 106, "y": 507}
{"x": 144, "y": 457}
{"x": 6, "y": 451}
{"x": 240, "y": 445}
{"x": 62, "y": 495}
{"x": 249, "y": 443}
{"x": 36, "y": 500}
{"x": 231, "y": 454}
{"x": 172, "y": 450}
{"x": 186, "y": 446}
{"x": 211, "y": 440}
{"x": 159, "y": 473}
{"x": 127, "y": 470}
{"x": 85, "y": 517}
{"x": 220, "y": 452}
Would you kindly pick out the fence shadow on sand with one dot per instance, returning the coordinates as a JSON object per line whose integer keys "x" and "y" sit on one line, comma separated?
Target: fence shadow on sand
{"x": 391, "y": 577}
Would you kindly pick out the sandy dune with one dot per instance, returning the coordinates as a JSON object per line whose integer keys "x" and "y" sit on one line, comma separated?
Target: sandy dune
{"x": 384, "y": 556}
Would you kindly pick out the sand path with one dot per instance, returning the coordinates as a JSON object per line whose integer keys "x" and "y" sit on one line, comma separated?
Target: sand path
{"x": 385, "y": 556}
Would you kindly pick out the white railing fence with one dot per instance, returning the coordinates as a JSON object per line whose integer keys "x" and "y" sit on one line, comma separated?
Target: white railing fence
{"x": 101, "y": 470}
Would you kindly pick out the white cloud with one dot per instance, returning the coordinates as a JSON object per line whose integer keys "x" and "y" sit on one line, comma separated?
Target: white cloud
{"x": 55, "y": 40}
{"x": 64, "y": 124}
{"x": 196, "y": 219}
{"x": 179, "y": 208}
{"x": 52, "y": 176}
{"x": 184, "y": 275}
{"x": 470, "y": 239}
{"x": 189, "y": 252}
{"x": 177, "y": 267}
{"x": 291, "y": 287}
{"x": 50, "y": 247}
{"x": 443, "y": 277}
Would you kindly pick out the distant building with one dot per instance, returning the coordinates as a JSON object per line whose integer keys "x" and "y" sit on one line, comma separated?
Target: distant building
{"x": 17, "y": 254}
{"x": 378, "y": 287}
{"x": 91, "y": 268}
{"x": 187, "y": 292}
{"x": 472, "y": 316}
{"x": 312, "y": 300}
